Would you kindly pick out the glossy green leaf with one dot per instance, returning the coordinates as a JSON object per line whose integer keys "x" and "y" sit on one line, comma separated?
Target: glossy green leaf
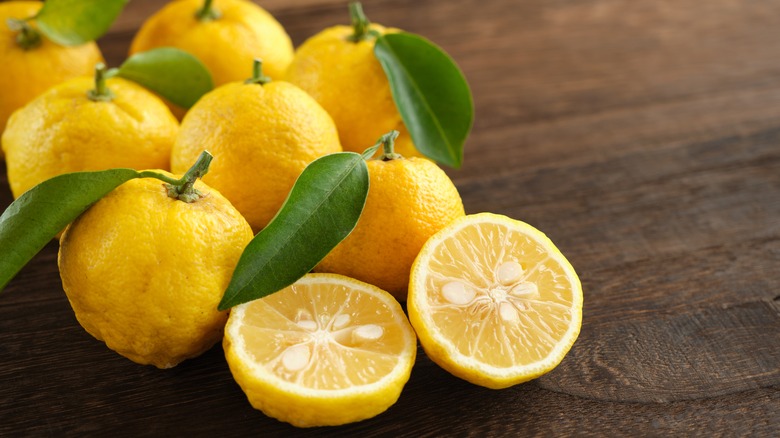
{"x": 321, "y": 210}
{"x": 36, "y": 217}
{"x": 171, "y": 73}
{"x": 431, "y": 94}
{"x": 73, "y": 22}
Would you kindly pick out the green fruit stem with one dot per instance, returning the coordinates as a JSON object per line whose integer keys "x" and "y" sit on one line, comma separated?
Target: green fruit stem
{"x": 100, "y": 93}
{"x": 183, "y": 188}
{"x": 257, "y": 74}
{"x": 207, "y": 12}
{"x": 27, "y": 38}
{"x": 388, "y": 144}
{"x": 360, "y": 22}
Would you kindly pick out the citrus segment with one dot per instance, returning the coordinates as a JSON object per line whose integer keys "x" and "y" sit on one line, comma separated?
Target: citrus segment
{"x": 494, "y": 301}
{"x": 327, "y": 350}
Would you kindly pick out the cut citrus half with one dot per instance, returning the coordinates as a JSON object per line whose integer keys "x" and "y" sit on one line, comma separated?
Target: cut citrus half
{"x": 327, "y": 350}
{"x": 493, "y": 301}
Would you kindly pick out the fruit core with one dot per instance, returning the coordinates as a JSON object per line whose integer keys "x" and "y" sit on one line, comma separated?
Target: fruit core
{"x": 323, "y": 331}
{"x": 505, "y": 295}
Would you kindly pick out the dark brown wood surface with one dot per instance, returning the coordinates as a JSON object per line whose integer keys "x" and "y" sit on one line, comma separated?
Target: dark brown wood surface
{"x": 642, "y": 136}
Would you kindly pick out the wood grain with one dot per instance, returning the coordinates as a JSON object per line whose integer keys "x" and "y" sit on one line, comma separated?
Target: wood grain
{"x": 701, "y": 353}
{"x": 642, "y": 137}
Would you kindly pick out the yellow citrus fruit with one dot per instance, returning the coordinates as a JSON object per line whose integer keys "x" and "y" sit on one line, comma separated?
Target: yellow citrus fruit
{"x": 493, "y": 301}
{"x": 345, "y": 77}
{"x": 64, "y": 130}
{"x": 226, "y": 43}
{"x": 29, "y": 72}
{"x": 327, "y": 350}
{"x": 262, "y": 135}
{"x": 409, "y": 200}
{"x": 144, "y": 272}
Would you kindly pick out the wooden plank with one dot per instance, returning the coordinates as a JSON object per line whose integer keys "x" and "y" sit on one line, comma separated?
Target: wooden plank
{"x": 512, "y": 148}
{"x": 697, "y": 354}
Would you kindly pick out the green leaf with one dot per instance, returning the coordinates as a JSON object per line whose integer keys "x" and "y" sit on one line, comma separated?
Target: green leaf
{"x": 32, "y": 220}
{"x": 73, "y": 22}
{"x": 431, "y": 94}
{"x": 172, "y": 73}
{"x": 321, "y": 210}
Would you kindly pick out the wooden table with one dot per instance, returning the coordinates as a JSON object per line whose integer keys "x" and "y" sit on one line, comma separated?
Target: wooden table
{"x": 642, "y": 136}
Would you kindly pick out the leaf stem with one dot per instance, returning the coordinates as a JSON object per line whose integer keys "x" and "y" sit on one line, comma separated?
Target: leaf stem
{"x": 164, "y": 178}
{"x": 360, "y": 22}
{"x": 100, "y": 93}
{"x": 27, "y": 38}
{"x": 207, "y": 12}
{"x": 257, "y": 74}
{"x": 183, "y": 188}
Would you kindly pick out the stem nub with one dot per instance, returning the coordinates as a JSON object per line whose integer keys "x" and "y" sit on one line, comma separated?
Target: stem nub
{"x": 27, "y": 38}
{"x": 183, "y": 189}
{"x": 257, "y": 74}
{"x": 100, "y": 93}
{"x": 360, "y": 22}
{"x": 207, "y": 12}
{"x": 388, "y": 143}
